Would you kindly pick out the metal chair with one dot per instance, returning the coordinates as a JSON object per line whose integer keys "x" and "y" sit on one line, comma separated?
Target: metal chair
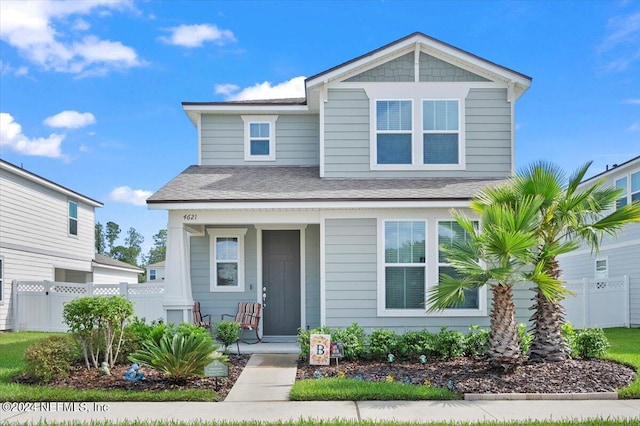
{"x": 248, "y": 316}
{"x": 198, "y": 318}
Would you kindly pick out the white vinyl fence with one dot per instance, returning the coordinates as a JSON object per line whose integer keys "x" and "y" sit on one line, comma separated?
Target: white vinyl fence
{"x": 38, "y": 305}
{"x": 601, "y": 302}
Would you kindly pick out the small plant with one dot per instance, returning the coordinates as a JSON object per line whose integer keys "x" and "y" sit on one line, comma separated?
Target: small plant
{"x": 179, "y": 356}
{"x": 591, "y": 343}
{"x": 412, "y": 344}
{"x": 525, "y": 338}
{"x": 382, "y": 342}
{"x": 51, "y": 357}
{"x": 353, "y": 339}
{"x": 449, "y": 344}
{"x": 227, "y": 332}
{"x": 476, "y": 342}
{"x": 569, "y": 337}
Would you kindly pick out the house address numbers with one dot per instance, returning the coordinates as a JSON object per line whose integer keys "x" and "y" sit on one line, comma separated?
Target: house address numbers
{"x": 190, "y": 216}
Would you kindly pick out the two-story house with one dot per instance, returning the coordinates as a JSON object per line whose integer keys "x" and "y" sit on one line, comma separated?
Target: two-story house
{"x": 607, "y": 282}
{"x": 331, "y": 209}
{"x": 155, "y": 272}
{"x": 47, "y": 233}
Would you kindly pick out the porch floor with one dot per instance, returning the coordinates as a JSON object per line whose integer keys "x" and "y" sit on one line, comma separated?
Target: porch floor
{"x": 268, "y": 348}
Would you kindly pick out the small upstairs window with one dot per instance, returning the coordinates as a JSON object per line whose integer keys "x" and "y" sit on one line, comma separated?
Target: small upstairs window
{"x": 259, "y": 137}
{"x": 152, "y": 274}
{"x": 394, "y": 128}
{"x": 635, "y": 186}
{"x": 441, "y": 128}
{"x": 73, "y": 218}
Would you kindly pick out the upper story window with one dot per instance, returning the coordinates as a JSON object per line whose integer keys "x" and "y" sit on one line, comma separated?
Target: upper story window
{"x": 440, "y": 126}
{"x": 631, "y": 189}
{"x": 73, "y": 218}
{"x": 152, "y": 274}
{"x": 394, "y": 131}
{"x": 423, "y": 134}
{"x": 259, "y": 137}
{"x": 227, "y": 259}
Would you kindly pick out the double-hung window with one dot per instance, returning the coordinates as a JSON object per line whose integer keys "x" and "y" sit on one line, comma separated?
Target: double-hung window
{"x": 394, "y": 131}
{"x": 450, "y": 232}
{"x": 630, "y": 186}
{"x": 440, "y": 132}
{"x": 152, "y": 274}
{"x": 404, "y": 264}
{"x": 259, "y": 137}
{"x": 73, "y": 218}
{"x": 227, "y": 259}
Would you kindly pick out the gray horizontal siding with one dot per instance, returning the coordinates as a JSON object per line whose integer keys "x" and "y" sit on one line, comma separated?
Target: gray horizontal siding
{"x": 351, "y": 282}
{"x": 487, "y": 130}
{"x": 222, "y": 138}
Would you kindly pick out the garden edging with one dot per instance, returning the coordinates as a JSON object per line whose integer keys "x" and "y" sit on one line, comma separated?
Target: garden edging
{"x": 540, "y": 396}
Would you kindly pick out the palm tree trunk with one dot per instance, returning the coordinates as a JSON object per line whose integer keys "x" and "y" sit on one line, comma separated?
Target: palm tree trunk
{"x": 504, "y": 343}
{"x": 548, "y": 344}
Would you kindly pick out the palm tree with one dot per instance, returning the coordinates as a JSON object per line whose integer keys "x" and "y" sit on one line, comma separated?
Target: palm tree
{"x": 499, "y": 254}
{"x": 568, "y": 216}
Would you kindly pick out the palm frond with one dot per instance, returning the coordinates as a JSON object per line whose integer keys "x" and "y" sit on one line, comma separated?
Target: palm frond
{"x": 448, "y": 293}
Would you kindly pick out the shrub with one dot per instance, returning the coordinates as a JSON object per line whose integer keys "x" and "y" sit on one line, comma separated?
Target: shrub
{"x": 382, "y": 342}
{"x": 179, "y": 356}
{"x": 449, "y": 344}
{"x": 476, "y": 342}
{"x": 304, "y": 339}
{"x": 227, "y": 332}
{"x": 51, "y": 357}
{"x": 98, "y": 322}
{"x": 591, "y": 343}
{"x": 569, "y": 337}
{"x": 135, "y": 333}
{"x": 525, "y": 338}
{"x": 413, "y": 344}
{"x": 353, "y": 338}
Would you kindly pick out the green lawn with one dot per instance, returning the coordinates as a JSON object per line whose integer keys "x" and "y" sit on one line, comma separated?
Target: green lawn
{"x": 12, "y": 347}
{"x": 625, "y": 348}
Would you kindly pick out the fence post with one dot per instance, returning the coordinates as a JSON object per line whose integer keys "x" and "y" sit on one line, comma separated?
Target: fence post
{"x": 14, "y": 304}
{"x": 627, "y": 322}
{"x": 124, "y": 290}
{"x": 585, "y": 297}
{"x": 89, "y": 289}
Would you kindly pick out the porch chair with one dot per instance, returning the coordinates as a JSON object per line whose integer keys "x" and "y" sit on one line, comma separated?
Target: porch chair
{"x": 248, "y": 316}
{"x": 198, "y": 318}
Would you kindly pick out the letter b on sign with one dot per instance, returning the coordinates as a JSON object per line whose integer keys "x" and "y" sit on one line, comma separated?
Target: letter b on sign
{"x": 319, "y": 349}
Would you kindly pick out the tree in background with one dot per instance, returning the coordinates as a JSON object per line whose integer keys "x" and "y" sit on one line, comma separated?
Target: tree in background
{"x": 129, "y": 252}
{"x": 112, "y": 233}
{"x": 158, "y": 252}
{"x": 100, "y": 241}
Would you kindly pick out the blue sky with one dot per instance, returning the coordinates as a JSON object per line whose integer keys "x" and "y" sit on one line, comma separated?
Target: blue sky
{"x": 91, "y": 92}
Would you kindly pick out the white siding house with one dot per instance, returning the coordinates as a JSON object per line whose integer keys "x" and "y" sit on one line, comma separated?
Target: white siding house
{"x": 155, "y": 272}
{"x": 330, "y": 209}
{"x": 110, "y": 271}
{"x": 616, "y": 267}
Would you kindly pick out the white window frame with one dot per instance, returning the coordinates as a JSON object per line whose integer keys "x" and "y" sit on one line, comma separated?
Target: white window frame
{"x": 631, "y": 191}
{"x": 214, "y": 234}
{"x": 383, "y": 311}
{"x": 259, "y": 119}
{"x": 70, "y": 218}
{"x": 605, "y": 276}
{"x": 394, "y": 132}
{"x": 154, "y": 273}
{"x": 628, "y": 194}
{"x": 1, "y": 279}
{"x": 459, "y": 132}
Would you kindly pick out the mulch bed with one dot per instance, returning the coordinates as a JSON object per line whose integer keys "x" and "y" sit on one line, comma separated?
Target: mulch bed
{"x": 81, "y": 378}
{"x": 467, "y": 375}
{"x": 463, "y": 375}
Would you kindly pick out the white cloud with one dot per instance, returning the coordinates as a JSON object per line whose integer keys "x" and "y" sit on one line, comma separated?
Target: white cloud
{"x": 11, "y": 137}
{"x": 81, "y": 25}
{"x": 293, "y": 88}
{"x": 70, "y": 119}
{"x": 6, "y": 68}
{"x": 125, "y": 194}
{"x": 621, "y": 47}
{"x": 635, "y": 127}
{"x": 37, "y": 30}
{"x": 196, "y": 35}
{"x": 632, "y": 101}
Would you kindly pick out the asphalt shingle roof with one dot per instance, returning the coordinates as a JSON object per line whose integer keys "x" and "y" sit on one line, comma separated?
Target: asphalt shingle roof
{"x": 258, "y": 183}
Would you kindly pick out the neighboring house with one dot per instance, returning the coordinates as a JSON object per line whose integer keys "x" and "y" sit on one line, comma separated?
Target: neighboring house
{"x": 330, "y": 209}
{"x": 110, "y": 271}
{"x": 47, "y": 233}
{"x": 155, "y": 272}
{"x": 603, "y": 272}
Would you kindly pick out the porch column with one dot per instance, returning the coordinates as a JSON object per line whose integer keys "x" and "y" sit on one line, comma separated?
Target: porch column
{"x": 178, "y": 301}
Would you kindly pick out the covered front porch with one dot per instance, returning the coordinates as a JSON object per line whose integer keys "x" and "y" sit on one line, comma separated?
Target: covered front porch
{"x": 223, "y": 258}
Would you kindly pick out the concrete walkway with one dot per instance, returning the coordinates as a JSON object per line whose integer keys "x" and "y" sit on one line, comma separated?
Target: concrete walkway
{"x": 261, "y": 394}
